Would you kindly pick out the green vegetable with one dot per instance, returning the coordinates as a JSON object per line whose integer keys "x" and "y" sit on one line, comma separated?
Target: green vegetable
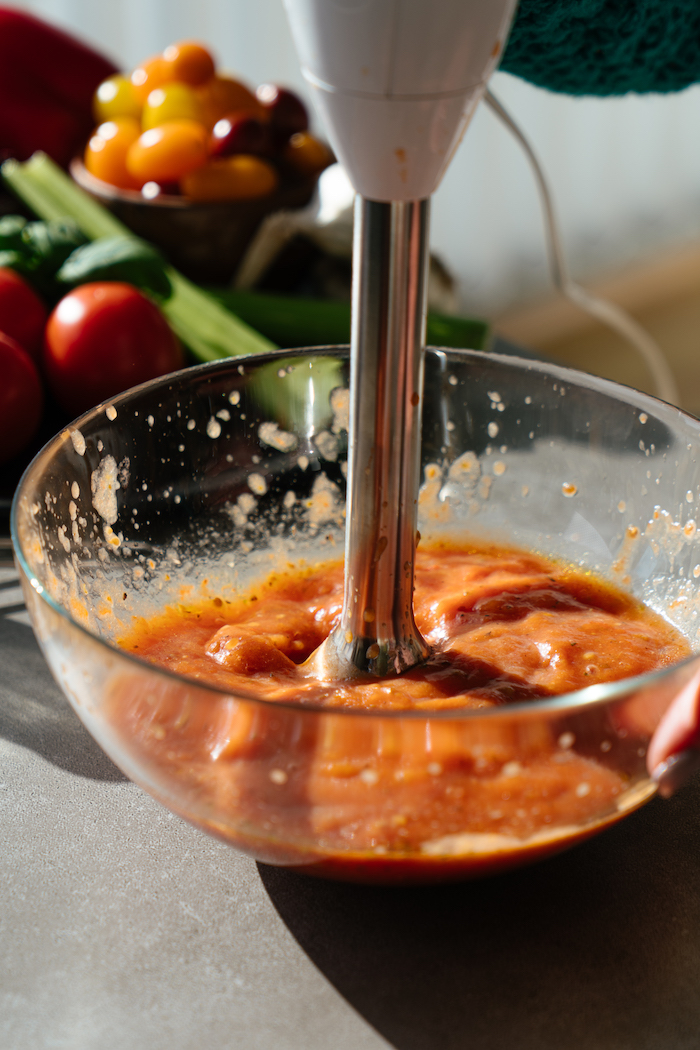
{"x": 36, "y": 250}
{"x": 207, "y": 328}
{"x": 45, "y": 247}
{"x": 14, "y": 261}
{"x": 118, "y": 259}
{"x": 11, "y": 227}
{"x": 50, "y": 243}
{"x": 314, "y": 322}
{"x": 282, "y": 391}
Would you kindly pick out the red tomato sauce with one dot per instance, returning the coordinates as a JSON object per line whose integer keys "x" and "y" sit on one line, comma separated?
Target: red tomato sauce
{"x": 397, "y": 798}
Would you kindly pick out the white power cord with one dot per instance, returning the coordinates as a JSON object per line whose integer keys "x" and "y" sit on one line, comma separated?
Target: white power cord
{"x": 608, "y": 313}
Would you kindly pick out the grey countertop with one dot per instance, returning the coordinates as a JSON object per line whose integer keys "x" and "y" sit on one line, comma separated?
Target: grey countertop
{"x": 122, "y": 928}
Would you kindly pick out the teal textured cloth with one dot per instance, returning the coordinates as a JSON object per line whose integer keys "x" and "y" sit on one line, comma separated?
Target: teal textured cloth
{"x": 606, "y": 47}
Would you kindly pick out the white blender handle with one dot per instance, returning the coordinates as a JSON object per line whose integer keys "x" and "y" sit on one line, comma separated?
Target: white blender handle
{"x": 396, "y": 82}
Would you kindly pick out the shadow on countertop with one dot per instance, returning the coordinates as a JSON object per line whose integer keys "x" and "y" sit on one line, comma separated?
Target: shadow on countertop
{"x": 596, "y": 949}
{"x": 35, "y": 714}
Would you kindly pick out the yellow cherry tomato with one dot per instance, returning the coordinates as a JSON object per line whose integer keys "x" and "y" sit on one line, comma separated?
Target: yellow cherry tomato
{"x": 189, "y": 62}
{"x": 223, "y": 95}
{"x": 105, "y": 155}
{"x": 151, "y": 74}
{"x": 240, "y": 177}
{"x": 175, "y": 101}
{"x": 166, "y": 153}
{"x": 307, "y": 155}
{"x": 115, "y": 97}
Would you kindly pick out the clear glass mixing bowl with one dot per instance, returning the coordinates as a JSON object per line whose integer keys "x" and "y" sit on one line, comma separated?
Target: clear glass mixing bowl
{"x": 206, "y": 480}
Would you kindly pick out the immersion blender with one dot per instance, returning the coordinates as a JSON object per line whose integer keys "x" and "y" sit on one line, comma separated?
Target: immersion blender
{"x": 395, "y": 83}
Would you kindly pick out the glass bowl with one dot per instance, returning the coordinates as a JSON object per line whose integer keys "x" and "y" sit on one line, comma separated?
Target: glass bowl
{"x": 204, "y": 481}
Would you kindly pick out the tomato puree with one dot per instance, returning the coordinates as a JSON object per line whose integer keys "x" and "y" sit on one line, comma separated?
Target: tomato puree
{"x": 362, "y": 795}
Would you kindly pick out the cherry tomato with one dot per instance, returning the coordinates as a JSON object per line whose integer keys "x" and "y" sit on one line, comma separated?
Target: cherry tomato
{"x": 240, "y": 133}
{"x": 307, "y": 155}
{"x": 189, "y": 62}
{"x": 116, "y": 97}
{"x": 285, "y": 110}
{"x": 166, "y": 153}
{"x": 102, "y": 338}
{"x": 152, "y": 73}
{"x": 240, "y": 177}
{"x": 22, "y": 313}
{"x": 222, "y": 95}
{"x": 21, "y": 398}
{"x": 105, "y": 154}
{"x": 173, "y": 101}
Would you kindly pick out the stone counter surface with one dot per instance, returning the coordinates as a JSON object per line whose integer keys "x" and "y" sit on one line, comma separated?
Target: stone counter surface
{"x": 123, "y": 928}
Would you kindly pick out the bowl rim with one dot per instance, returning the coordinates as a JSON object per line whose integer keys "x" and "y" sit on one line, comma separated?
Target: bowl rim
{"x": 106, "y": 191}
{"x": 564, "y": 703}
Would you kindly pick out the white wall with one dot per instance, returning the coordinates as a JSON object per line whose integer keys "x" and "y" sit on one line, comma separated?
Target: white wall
{"x": 625, "y": 172}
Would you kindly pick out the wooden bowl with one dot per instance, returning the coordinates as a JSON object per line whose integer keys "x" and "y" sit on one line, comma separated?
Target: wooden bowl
{"x": 205, "y": 240}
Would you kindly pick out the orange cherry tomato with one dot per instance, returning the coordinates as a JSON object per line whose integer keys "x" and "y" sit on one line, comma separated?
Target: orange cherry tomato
{"x": 189, "y": 62}
{"x": 105, "y": 155}
{"x": 307, "y": 155}
{"x": 115, "y": 97}
{"x": 174, "y": 101}
{"x": 168, "y": 152}
{"x": 240, "y": 177}
{"x": 151, "y": 74}
{"x": 222, "y": 95}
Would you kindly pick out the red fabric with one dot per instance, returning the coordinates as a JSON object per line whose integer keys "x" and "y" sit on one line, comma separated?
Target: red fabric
{"x": 47, "y": 80}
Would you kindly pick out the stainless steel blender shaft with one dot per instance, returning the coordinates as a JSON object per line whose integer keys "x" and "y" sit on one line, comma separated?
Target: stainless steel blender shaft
{"x": 377, "y": 634}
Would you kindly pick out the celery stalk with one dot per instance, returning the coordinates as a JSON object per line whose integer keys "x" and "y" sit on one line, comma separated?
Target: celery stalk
{"x": 53, "y": 195}
{"x": 206, "y": 327}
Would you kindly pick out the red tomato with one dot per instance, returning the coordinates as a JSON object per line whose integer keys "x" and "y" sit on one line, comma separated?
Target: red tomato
{"x": 102, "y": 338}
{"x": 21, "y": 398}
{"x": 22, "y": 313}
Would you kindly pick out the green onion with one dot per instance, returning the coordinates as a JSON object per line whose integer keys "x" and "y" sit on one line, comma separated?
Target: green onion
{"x": 294, "y": 321}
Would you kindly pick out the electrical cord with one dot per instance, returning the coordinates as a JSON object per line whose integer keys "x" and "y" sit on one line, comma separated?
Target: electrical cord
{"x": 601, "y": 309}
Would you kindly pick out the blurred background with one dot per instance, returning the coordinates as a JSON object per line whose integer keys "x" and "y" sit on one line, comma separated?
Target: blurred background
{"x": 625, "y": 173}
